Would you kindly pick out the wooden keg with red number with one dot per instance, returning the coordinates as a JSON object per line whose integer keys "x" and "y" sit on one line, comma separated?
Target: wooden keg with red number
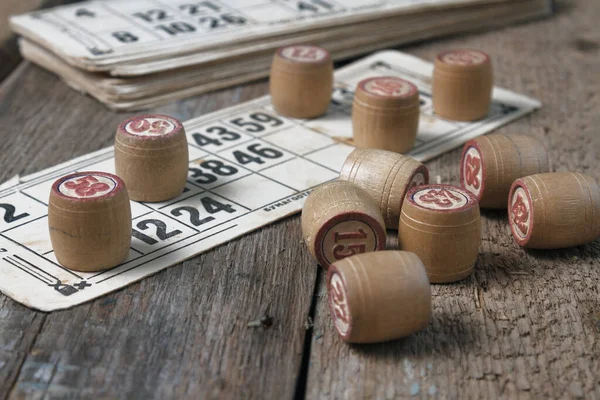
{"x": 462, "y": 84}
{"x": 554, "y": 210}
{"x": 339, "y": 219}
{"x": 385, "y": 114}
{"x": 301, "y": 81}
{"x": 491, "y": 163}
{"x": 379, "y": 296}
{"x": 89, "y": 217}
{"x": 441, "y": 224}
{"x": 151, "y": 156}
{"x": 386, "y": 176}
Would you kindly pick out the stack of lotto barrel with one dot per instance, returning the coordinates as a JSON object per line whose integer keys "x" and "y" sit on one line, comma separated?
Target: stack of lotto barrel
{"x": 377, "y": 295}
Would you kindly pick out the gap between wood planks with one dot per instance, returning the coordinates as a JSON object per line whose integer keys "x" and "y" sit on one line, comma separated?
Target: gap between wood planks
{"x": 302, "y": 381}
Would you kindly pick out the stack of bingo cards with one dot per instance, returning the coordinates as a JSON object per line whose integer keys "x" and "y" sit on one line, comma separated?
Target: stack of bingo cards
{"x": 135, "y": 54}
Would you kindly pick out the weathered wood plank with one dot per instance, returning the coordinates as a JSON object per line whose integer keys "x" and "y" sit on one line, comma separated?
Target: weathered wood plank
{"x": 18, "y": 328}
{"x": 527, "y": 323}
{"x": 181, "y": 333}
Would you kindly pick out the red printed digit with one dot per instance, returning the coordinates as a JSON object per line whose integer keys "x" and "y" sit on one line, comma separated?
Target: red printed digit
{"x": 303, "y": 52}
{"x": 463, "y": 58}
{"x": 139, "y": 125}
{"x": 520, "y": 214}
{"x": 87, "y": 186}
{"x": 160, "y": 127}
{"x": 473, "y": 166}
{"x": 340, "y": 251}
{"x": 339, "y": 302}
{"x": 442, "y": 198}
{"x": 360, "y": 234}
{"x": 388, "y": 87}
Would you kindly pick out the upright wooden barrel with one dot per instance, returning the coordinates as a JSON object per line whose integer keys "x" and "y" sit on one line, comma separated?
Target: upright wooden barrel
{"x": 379, "y": 296}
{"x": 554, "y": 210}
{"x": 89, "y": 218}
{"x": 462, "y": 84}
{"x": 385, "y": 114}
{"x": 441, "y": 225}
{"x": 151, "y": 156}
{"x": 339, "y": 219}
{"x": 490, "y": 164}
{"x": 301, "y": 81}
{"x": 386, "y": 176}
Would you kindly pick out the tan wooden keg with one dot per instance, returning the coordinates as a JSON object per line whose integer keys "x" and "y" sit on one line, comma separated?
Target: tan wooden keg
{"x": 339, "y": 219}
{"x": 462, "y": 84}
{"x": 441, "y": 224}
{"x": 386, "y": 176}
{"x": 151, "y": 156}
{"x": 89, "y": 218}
{"x": 379, "y": 296}
{"x": 385, "y": 114}
{"x": 554, "y": 210}
{"x": 490, "y": 164}
{"x": 301, "y": 81}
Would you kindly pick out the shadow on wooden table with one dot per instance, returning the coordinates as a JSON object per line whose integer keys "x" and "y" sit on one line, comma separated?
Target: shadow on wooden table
{"x": 446, "y": 333}
{"x": 586, "y": 253}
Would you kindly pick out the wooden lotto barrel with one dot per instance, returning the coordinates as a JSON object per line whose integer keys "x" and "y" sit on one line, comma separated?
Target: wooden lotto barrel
{"x": 490, "y": 164}
{"x": 339, "y": 219}
{"x": 386, "y": 176}
{"x": 441, "y": 224}
{"x": 462, "y": 84}
{"x": 379, "y": 296}
{"x": 385, "y": 114}
{"x": 301, "y": 81}
{"x": 151, "y": 156}
{"x": 554, "y": 210}
{"x": 89, "y": 218}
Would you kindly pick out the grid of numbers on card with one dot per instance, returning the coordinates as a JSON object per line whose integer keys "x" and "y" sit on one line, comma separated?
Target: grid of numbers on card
{"x": 116, "y": 24}
{"x": 239, "y": 164}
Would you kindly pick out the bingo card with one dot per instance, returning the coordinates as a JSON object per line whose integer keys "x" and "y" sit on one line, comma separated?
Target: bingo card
{"x": 248, "y": 167}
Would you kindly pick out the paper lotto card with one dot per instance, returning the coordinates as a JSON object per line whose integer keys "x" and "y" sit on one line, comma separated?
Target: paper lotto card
{"x": 248, "y": 167}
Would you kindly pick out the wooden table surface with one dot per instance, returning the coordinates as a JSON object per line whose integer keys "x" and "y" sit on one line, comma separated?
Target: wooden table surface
{"x": 526, "y": 324}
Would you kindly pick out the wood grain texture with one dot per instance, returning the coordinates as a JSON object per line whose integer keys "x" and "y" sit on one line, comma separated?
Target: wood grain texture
{"x": 526, "y": 324}
{"x": 386, "y": 176}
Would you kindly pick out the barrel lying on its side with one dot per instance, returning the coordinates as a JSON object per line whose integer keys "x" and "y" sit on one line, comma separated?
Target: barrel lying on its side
{"x": 379, "y": 296}
{"x": 554, "y": 210}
